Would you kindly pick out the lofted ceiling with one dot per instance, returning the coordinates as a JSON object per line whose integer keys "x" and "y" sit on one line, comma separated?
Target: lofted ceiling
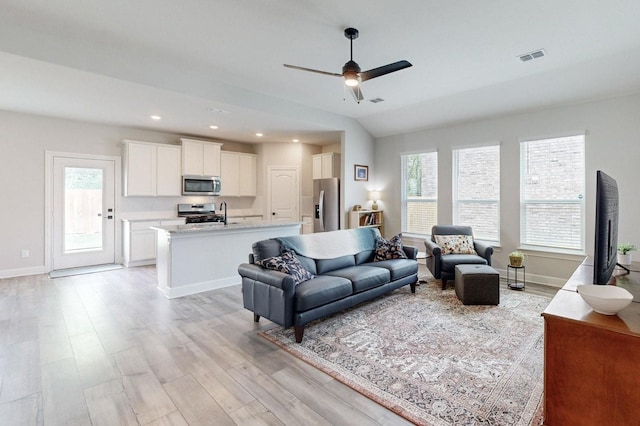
{"x": 198, "y": 63}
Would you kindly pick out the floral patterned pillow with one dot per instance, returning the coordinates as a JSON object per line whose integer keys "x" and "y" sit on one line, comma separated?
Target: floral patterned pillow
{"x": 392, "y": 249}
{"x": 289, "y": 264}
{"x": 455, "y": 244}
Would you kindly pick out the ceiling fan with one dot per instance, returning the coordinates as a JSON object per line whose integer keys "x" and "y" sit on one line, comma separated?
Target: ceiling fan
{"x": 351, "y": 72}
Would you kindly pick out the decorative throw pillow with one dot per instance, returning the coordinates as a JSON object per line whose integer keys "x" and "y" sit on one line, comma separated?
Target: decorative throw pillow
{"x": 289, "y": 264}
{"x": 391, "y": 249}
{"x": 455, "y": 244}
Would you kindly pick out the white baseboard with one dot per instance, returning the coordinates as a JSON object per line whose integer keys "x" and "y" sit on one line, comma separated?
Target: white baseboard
{"x": 21, "y": 272}
{"x": 535, "y": 279}
{"x": 186, "y": 290}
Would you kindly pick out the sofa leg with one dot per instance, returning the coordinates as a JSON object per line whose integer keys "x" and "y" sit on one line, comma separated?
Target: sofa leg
{"x": 298, "y": 330}
{"x": 444, "y": 284}
{"x": 413, "y": 287}
{"x": 256, "y": 317}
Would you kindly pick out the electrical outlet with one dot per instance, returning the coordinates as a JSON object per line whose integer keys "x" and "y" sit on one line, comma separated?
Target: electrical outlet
{"x": 25, "y": 253}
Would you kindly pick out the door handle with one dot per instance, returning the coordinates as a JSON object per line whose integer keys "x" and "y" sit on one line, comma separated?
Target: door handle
{"x": 273, "y": 213}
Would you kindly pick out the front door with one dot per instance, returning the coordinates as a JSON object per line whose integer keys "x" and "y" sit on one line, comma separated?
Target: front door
{"x": 83, "y": 212}
{"x": 284, "y": 194}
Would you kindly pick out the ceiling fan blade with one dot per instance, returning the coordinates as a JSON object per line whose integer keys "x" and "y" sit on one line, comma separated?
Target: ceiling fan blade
{"x": 385, "y": 69}
{"x": 357, "y": 93}
{"x": 312, "y": 70}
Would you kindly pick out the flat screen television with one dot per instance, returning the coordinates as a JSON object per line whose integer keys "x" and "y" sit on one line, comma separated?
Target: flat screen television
{"x": 606, "y": 238}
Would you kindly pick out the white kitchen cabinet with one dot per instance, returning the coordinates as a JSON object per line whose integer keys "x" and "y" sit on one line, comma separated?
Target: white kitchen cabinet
{"x": 238, "y": 174}
{"x": 151, "y": 169}
{"x": 200, "y": 158}
{"x": 140, "y": 241}
{"x": 326, "y": 165}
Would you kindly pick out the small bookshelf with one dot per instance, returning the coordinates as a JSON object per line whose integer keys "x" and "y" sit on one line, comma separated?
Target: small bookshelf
{"x": 367, "y": 219}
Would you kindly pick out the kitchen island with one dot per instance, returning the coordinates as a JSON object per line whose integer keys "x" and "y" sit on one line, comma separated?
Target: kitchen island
{"x": 202, "y": 257}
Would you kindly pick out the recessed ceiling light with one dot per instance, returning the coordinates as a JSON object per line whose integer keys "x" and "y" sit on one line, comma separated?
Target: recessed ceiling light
{"x": 156, "y": 117}
{"x": 296, "y": 140}
{"x": 259, "y": 135}
{"x": 213, "y": 127}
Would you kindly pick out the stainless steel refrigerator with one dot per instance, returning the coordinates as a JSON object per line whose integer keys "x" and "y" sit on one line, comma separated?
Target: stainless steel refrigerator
{"x": 326, "y": 200}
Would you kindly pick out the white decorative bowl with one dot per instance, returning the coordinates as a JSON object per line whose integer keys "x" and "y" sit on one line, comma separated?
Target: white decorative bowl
{"x": 605, "y": 299}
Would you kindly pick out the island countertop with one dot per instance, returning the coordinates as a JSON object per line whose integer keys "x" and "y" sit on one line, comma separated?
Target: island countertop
{"x": 220, "y": 227}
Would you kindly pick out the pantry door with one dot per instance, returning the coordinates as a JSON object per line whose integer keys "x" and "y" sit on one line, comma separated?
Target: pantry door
{"x": 83, "y": 212}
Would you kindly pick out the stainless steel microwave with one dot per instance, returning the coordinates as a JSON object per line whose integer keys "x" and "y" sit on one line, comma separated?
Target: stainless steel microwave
{"x": 200, "y": 185}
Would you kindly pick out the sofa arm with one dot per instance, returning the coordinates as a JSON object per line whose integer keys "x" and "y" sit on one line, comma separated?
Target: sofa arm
{"x": 484, "y": 250}
{"x": 434, "y": 256}
{"x": 411, "y": 252}
{"x": 277, "y": 279}
{"x": 269, "y": 294}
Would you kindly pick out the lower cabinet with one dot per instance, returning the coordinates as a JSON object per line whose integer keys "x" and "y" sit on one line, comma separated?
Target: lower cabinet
{"x": 139, "y": 240}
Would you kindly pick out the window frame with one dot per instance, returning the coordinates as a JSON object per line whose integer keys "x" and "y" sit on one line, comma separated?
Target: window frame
{"x": 403, "y": 194}
{"x": 454, "y": 189}
{"x": 579, "y": 201}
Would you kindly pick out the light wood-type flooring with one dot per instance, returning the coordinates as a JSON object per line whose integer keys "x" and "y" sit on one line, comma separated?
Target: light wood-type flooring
{"x": 108, "y": 349}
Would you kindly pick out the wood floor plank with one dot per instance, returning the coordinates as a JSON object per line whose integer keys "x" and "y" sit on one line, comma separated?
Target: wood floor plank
{"x": 172, "y": 419}
{"x": 195, "y": 404}
{"x": 144, "y": 392}
{"x": 254, "y": 414}
{"x": 20, "y": 370}
{"x": 336, "y": 410}
{"x": 108, "y": 405}
{"x": 94, "y": 364}
{"x": 158, "y": 357}
{"x": 275, "y": 397}
{"x": 63, "y": 401}
{"x": 25, "y": 411}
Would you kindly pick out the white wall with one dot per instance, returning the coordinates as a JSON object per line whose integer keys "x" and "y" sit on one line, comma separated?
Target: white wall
{"x": 612, "y": 144}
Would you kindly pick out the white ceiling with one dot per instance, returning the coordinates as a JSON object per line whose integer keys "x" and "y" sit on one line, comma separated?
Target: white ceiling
{"x": 198, "y": 62}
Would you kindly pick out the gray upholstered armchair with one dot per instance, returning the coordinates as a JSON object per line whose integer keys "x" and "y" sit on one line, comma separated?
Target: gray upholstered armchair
{"x": 443, "y": 266}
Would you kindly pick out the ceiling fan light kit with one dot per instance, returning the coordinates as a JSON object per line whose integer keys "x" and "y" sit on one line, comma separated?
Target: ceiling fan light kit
{"x": 351, "y": 72}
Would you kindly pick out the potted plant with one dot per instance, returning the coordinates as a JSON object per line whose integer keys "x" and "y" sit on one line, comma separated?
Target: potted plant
{"x": 624, "y": 255}
{"x": 516, "y": 258}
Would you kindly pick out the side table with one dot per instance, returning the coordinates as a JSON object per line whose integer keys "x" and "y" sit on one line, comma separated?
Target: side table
{"x": 515, "y": 284}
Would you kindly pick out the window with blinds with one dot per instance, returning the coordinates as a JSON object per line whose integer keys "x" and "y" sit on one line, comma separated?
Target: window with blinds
{"x": 476, "y": 191}
{"x": 552, "y": 181}
{"x": 419, "y": 192}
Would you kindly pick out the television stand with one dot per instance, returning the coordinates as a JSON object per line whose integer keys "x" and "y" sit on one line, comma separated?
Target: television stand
{"x": 590, "y": 359}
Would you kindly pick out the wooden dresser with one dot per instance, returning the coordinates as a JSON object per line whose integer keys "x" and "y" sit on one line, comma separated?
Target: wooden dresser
{"x": 591, "y": 361}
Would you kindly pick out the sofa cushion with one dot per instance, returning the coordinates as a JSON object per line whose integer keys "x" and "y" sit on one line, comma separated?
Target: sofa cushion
{"x": 265, "y": 249}
{"x": 289, "y": 264}
{"x": 325, "y": 265}
{"x": 363, "y": 277}
{"x": 308, "y": 263}
{"x": 321, "y": 290}
{"x": 391, "y": 249}
{"x": 365, "y": 256}
{"x": 455, "y": 244}
{"x": 398, "y": 268}
{"x": 448, "y": 262}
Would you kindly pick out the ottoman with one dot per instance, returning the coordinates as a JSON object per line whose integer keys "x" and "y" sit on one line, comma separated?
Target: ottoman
{"x": 477, "y": 285}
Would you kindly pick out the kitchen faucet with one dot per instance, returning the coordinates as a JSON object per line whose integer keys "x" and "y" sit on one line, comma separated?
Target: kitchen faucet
{"x": 224, "y": 203}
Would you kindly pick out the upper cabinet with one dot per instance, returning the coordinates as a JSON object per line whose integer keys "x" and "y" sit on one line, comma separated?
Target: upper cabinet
{"x": 238, "y": 174}
{"x": 326, "y": 165}
{"x": 200, "y": 158}
{"x": 151, "y": 169}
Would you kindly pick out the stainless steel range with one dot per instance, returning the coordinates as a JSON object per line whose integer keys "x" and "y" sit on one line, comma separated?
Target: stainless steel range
{"x": 200, "y": 213}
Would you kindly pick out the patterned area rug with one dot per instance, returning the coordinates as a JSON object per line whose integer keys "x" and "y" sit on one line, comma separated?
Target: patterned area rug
{"x": 433, "y": 360}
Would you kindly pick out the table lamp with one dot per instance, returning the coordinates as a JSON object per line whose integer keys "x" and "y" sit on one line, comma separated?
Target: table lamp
{"x": 375, "y": 197}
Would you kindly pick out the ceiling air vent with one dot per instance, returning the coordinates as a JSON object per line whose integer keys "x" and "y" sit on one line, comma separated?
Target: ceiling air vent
{"x": 532, "y": 55}
{"x": 376, "y": 100}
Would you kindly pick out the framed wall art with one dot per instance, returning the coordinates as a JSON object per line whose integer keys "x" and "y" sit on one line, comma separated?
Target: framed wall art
{"x": 360, "y": 172}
